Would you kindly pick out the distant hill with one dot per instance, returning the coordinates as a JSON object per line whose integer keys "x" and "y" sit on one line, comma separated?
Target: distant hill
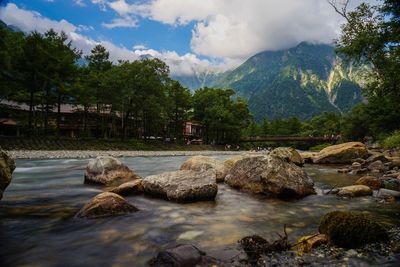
{"x": 302, "y": 81}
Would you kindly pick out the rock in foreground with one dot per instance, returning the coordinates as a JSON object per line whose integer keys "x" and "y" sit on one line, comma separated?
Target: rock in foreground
{"x": 370, "y": 181}
{"x": 270, "y": 176}
{"x": 182, "y": 186}
{"x": 202, "y": 163}
{"x": 289, "y": 154}
{"x": 7, "y": 166}
{"x": 107, "y": 170}
{"x": 104, "y": 205}
{"x": 342, "y": 154}
{"x": 355, "y": 191}
{"x": 351, "y": 229}
{"x": 183, "y": 256}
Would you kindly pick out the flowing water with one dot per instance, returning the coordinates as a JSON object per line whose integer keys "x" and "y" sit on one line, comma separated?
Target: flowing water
{"x": 37, "y": 227}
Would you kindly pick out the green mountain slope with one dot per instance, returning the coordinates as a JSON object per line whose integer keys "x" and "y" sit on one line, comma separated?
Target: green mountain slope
{"x": 303, "y": 81}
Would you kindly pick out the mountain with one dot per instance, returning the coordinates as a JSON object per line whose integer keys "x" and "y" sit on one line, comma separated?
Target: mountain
{"x": 302, "y": 81}
{"x": 199, "y": 79}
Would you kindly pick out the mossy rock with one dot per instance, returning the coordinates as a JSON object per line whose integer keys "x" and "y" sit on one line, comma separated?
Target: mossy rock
{"x": 351, "y": 229}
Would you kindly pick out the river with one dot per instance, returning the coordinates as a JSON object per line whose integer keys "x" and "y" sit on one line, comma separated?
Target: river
{"x": 38, "y": 228}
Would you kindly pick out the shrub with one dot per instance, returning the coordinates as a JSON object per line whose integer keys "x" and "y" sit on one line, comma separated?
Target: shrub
{"x": 319, "y": 147}
{"x": 392, "y": 141}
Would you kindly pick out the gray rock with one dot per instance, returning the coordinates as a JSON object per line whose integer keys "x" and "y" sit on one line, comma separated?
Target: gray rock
{"x": 7, "y": 166}
{"x": 183, "y": 255}
{"x": 289, "y": 154}
{"x": 270, "y": 176}
{"x": 182, "y": 186}
{"x": 108, "y": 170}
{"x": 375, "y": 157}
{"x": 391, "y": 183}
{"x": 104, "y": 205}
{"x": 202, "y": 163}
{"x": 386, "y": 193}
{"x": 377, "y": 167}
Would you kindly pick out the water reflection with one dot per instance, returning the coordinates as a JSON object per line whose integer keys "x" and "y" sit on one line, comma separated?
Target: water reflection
{"x": 37, "y": 227}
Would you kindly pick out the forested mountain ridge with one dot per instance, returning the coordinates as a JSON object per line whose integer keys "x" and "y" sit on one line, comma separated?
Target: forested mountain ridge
{"x": 303, "y": 81}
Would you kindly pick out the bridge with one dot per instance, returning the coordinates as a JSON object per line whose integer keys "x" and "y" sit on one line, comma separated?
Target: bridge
{"x": 289, "y": 138}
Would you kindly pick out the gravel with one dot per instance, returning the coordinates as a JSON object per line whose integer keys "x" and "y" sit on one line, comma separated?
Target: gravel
{"x": 68, "y": 154}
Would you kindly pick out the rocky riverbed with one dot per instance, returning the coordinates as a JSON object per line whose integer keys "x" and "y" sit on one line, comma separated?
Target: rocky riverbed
{"x": 83, "y": 154}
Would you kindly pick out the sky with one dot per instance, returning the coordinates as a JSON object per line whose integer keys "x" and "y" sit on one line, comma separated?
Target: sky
{"x": 191, "y": 36}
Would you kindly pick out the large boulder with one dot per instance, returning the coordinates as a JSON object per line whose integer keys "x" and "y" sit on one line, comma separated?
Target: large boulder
{"x": 308, "y": 157}
{"x": 351, "y": 229}
{"x": 7, "y": 166}
{"x": 370, "y": 181}
{"x": 129, "y": 188}
{"x": 202, "y": 163}
{"x": 183, "y": 255}
{"x": 355, "y": 191}
{"x": 271, "y": 176}
{"x": 182, "y": 186}
{"x": 108, "y": 170}
{"x": 342, "y": 154}
{"x": 104, "y": 205}
{"x": 289, "y": 154}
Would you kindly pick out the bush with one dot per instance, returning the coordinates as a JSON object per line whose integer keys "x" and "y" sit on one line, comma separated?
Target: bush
{"x": 393, "y": 141}
{"x": 351, "y": 229}
{"x": 319, "y": 147}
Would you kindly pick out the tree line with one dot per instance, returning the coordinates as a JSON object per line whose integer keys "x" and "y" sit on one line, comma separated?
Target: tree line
{"x": 119, "y": 100}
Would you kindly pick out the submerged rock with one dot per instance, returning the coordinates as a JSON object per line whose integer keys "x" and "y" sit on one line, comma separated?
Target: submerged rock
{"x": 202, "y": 163}
{"x": 7, "y": 166}
{"x": 271, "y": 176}
{"x": 183, "y": 255}
{"x": 104, "y": 205}
{"x": 289, "y": 154}
{"x": 355, "y": 191}
{"x": 107, "y": 170}
{"x": 184, "y": 185}
{"x": 129, "y": 188}
{"x": 351, "y": 229}
{"x": 370, "y": 181}
{"x": 342, "y": 154}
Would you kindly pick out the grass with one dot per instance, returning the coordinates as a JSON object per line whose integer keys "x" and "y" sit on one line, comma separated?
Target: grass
{"x": 392, "y": 141}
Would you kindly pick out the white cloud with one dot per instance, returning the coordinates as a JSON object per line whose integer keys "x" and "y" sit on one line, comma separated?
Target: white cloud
{"x": 79, "y": 3}
{"x": 126, "y": 21}
{"x": 28, "y": 21}
{"x": 237, "y": 29}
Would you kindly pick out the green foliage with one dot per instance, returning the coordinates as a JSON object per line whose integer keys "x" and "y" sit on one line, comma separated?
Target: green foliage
{"x": 392, "y": 141}
{"x": 319, "y": 147}
{"x": 223, "y": 117}
{"x": 351, "y": 229}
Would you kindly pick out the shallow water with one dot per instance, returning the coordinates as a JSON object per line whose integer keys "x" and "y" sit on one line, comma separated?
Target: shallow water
{"x": 37, "y": 227}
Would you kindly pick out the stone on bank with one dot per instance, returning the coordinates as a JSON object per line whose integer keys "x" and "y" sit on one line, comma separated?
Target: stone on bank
{"x": 202, "y": 163}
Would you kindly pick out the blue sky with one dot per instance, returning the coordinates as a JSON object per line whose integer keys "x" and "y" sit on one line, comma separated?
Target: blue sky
{"x": 191, "y": 36}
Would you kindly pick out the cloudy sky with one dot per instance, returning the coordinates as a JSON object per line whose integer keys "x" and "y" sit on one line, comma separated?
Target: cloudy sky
{"x": 190, "y": 35}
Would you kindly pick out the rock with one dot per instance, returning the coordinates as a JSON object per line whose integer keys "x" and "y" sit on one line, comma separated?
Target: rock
{"x": 377, "y": 166}
{"x": 7, "y": 166}
{"x": 394, "y": 163}
{"x": 375, "y": 157}
{"x": 308, "y": 243}
{"x": 391, "y": 183}
{"x": 356, "y": 166}
{"x": 182, "y": 186}
{"x": 370, "y": 181}
{"x": 359, "y": 160}
{"x": 351, "y": 229}
{"x": 359, "y": 171}
{"x": 386, "y": 193}
{"x": 308, "y": 157}
{"x": 129, "y": 188}
{"x": 341, "y": 154}
{"x": 289, "y": 154}
{"x": 270, "y": 176}
{"x": 104, "y": 205}
{"x": 202, "y": 163}
{"x": 344, "y": 170}
{"x": 183, "y": 256}
{"x": 108, "y": 170}
{"x": 355, "y": 191}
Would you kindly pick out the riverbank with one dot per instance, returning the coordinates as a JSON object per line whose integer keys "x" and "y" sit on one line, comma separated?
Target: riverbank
{"x": 75, "y": 154}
